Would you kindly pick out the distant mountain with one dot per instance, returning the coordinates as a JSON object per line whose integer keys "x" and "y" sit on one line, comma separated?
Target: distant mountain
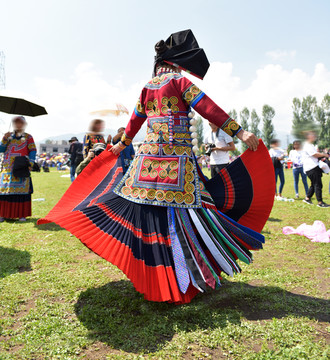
{"x": 139, "y": 136}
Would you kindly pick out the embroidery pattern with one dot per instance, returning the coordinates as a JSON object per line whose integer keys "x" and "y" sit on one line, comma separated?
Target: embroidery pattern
{"x": 192, "y": 95}
{"x": 231, "y": 127}
{"x": 125, "y": 139}
{"x": 159, "y": 81}
{"x": 139, "y": 110}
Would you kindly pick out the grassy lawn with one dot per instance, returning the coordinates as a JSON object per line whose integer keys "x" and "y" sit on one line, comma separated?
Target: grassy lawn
{"x": 60, "y": 301}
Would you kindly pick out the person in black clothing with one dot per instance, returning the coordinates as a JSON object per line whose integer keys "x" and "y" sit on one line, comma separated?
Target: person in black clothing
{"x": 76, "y": 155}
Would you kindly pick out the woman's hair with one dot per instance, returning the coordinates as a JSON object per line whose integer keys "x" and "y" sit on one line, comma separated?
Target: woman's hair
{"x": 94, "y": 123}
{"x": 15, "y": 118}
{"x": 274, "y": 141}
{"x": 296, "y": 142}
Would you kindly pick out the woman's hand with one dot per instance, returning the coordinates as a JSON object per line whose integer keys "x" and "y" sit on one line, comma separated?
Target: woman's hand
{"x": 6, "y": 136}
{"x": 116, "y": 149}
{"x": 249, "y": 139}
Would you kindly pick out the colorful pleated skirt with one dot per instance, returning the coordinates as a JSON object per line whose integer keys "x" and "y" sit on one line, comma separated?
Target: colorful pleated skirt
{"x": 171, "y": 254}
{"x": 14, "y": 206}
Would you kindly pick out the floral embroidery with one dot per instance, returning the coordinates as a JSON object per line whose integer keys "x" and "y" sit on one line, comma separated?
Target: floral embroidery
{"x": 125, "y": 140}
{"x": 192, "y": 95}
{"x": 231, "y": 127}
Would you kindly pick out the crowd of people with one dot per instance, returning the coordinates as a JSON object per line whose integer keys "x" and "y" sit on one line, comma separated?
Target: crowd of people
{"x": 306, "y": 161}
{"x": 15, "y": 199}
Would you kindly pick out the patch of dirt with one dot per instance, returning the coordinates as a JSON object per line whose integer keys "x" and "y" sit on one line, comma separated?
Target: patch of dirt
{"x": 28, "y": 305}
{"x": 198, "y": 353}
{"x": 256, "y": 282}
{"x": 89, "y": 256}
{"x": 322, "y": 332}
{"x": 99, "y": 351}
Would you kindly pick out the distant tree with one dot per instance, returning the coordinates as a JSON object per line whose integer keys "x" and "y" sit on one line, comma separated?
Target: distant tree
{"x": 48, "y": 142}
{"x": 268, "y": 132}
{"x": 304, "y": 115}
{"x": 200, "y": 134}
{"x": 244, "y": 116}
{"x": 255, "y": 122}
{"x": 322, "y": 116}
{"x": 233, "y": 114}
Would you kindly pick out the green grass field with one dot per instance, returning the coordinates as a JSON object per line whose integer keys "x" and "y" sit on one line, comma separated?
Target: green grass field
{"x": 60, "y": 301}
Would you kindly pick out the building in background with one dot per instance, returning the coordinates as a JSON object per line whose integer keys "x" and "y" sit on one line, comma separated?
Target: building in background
{"x": 54, "y": 147}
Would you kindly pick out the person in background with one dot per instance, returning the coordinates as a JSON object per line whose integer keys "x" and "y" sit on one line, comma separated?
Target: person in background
{"x": 94, "y": 136}
{"x": 311, "y": 167}
{"x": 109, "y": 139}
{"x": 96, "y": 151}
{"x": 296, "y": 156}
{"x": 15, "y": 192}
{"x": 277, "y": 155}
{"x": 218, "y": 144}
{"x": 76, "y": 155}
{"x": 127, "y": 155}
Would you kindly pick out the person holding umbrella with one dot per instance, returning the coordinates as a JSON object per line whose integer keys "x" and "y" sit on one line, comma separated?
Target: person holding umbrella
{"x": 15, "y": 183}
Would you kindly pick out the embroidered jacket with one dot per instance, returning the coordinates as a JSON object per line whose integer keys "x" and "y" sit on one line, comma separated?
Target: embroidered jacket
{"x": 12, "y": 147}
{"x": 90, "y": 140}
{"x": 164, "y": 171}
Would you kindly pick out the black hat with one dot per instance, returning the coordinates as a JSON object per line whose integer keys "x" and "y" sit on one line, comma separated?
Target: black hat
{"x": 182, "y": 51}
{"x": 73, "y": 139}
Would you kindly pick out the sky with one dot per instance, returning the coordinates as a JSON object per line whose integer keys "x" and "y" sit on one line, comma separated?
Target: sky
{"x": 77, "y": 56}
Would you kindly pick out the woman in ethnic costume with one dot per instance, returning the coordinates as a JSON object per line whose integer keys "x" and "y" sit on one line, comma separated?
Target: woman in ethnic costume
{"x": 94, "y": 136}
{"x": 15, "y": 193}
{"x": 166, "y": 226}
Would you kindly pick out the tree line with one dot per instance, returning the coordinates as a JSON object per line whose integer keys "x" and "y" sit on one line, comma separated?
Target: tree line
{"x": 308, "y": 115}
{"x": 262, "y": 126}
{"x": 249, "y": 121}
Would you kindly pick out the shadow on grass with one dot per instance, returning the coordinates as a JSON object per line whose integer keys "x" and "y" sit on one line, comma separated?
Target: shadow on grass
{"x": 13, "y": 261}
{"x": 33, "y": 220}
{"x": 119, "y": 316}
{"x": 274, "y": 219}
{"x": 47, "y": 227}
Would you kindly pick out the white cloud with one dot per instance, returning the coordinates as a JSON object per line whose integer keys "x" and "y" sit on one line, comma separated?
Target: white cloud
{"x": 272, "y": 85}
{"x": 280, "y": 55}
{"x": 70, "y": 102}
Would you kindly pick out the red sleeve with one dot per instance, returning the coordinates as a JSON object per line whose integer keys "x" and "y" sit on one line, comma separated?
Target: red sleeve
{"x": 137, "y": 119}
{"x": 31, "y": 144}
{"x": 207, "y": 108}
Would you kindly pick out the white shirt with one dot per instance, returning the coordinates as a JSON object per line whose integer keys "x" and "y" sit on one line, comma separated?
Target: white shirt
{"x": 309, "y": 161}
{"x": 218, "y": 157}
{"x": 296, "y": 156}
{"x": 276, "y": 152}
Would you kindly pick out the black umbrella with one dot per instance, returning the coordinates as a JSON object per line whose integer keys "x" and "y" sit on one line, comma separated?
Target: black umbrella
{"x": 18, "y": 106}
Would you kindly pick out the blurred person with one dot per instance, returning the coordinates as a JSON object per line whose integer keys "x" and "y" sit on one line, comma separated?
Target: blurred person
{"x": 109, "y": 139}
{"x": 15, "y": 192}
{"x": 127, "y": 155}
{"x": 296, "y": 156}
{"x": 96, "y": 151}
{"x": 277, "y": 156}
{"x": 76, "y": 156}
{"x": 311, "y": 158}
{"x": 94, "y": 135}
{"x": 217, "y": 145}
